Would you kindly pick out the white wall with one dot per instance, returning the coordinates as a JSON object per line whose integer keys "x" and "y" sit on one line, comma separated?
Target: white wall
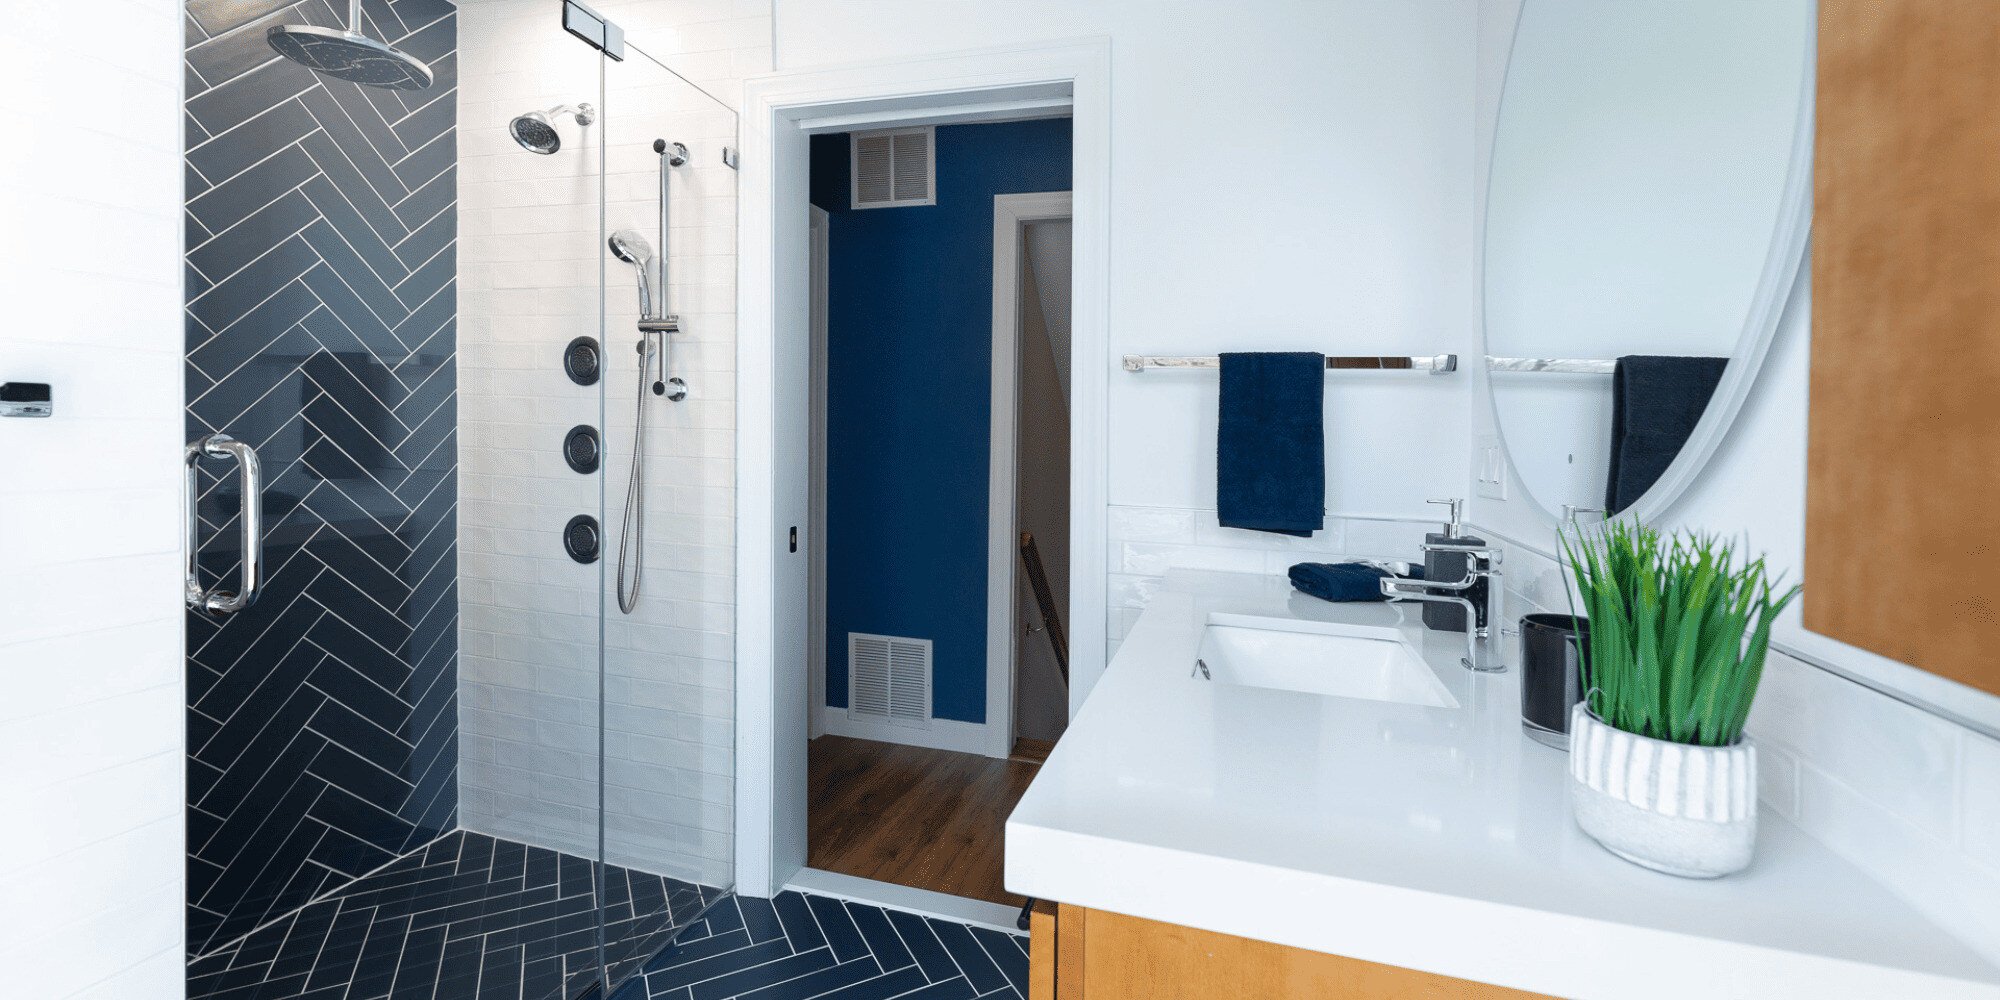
{"x": 1304, "y": 176}
{"x": 91, "y": 751}
{"x": 529, "y": 259}
{"x": 1905, "y": 794}
{"x": 1285, "y": 176}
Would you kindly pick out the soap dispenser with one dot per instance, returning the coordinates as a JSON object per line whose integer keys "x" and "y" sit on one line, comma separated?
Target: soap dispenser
{"x": 1449, "y": 566}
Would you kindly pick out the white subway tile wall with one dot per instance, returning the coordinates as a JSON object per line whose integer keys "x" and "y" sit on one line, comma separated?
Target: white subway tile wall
{"x": 1907, "y": 796}
{"x": 529, "y": 283}
{"x": 90, "y": 641}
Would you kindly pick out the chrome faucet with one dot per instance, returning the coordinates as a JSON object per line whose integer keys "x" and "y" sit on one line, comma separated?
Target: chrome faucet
{"x": 1481, "y": 563}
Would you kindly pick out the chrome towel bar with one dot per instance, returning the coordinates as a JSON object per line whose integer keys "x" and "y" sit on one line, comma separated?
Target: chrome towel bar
{"x": 1424, "y": 363}
{"x": 1573, "y": 366}
{"x": 1439, "y": 363}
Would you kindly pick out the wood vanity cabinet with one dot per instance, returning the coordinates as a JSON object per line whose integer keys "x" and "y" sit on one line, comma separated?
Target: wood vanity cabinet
{"x": 1077, "y": 953}
{"x": 1903, "y": 468}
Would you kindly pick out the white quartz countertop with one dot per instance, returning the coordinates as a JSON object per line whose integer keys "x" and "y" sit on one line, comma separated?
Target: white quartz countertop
{"x": 1437, "y": 839}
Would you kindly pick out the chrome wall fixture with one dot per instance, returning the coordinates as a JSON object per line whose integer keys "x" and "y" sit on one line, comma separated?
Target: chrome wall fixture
{"x": 672, "y": 154}
{"x": 26, "y": 399}
{"x": 217, "y": 601}
{"x": 1573, "y": 366}
{"x": 655, "y": 322}
{"x": 349, "y": 55}
{"x": 1437, "y": 363}
{"x": 536, "y": 130}
{"x": 596, "y": 30}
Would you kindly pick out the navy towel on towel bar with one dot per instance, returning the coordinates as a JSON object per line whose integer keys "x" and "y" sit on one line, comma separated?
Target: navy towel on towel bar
{"x": 1270, "y": 443}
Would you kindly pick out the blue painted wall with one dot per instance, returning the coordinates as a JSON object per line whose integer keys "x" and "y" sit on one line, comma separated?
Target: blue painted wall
{"x": 909, "y": 335}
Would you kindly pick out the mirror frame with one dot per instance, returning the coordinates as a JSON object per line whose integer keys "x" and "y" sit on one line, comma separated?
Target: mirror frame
{"x": 1790, "y": 237}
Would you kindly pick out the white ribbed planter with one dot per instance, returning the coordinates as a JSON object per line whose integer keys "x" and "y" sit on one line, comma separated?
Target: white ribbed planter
{"x": 1680, "y": 809}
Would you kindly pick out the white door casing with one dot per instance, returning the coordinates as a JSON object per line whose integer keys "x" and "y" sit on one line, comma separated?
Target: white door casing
{"x": 1010, "y": 213}
{"x": 774, "y": 371}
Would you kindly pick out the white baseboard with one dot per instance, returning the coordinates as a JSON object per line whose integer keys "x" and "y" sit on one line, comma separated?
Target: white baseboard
{"x": 922, "y": 902}
{"x": 943, "y": 734}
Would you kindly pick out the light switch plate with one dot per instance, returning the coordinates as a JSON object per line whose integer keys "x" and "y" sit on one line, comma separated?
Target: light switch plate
{"x": 1489, "y": 468}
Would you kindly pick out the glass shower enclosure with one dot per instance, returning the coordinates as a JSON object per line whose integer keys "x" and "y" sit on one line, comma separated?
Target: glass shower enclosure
{"x": 460, "y": 697}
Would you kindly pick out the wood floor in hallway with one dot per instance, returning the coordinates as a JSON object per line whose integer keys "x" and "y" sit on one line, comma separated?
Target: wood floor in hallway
{"x": 928, "y": 819}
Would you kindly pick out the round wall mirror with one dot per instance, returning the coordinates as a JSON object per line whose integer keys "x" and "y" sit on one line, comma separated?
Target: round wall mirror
{"x": 1646, "y": 214}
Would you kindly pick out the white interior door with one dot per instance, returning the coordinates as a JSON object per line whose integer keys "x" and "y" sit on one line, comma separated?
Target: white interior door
{"x": 791, "y": 456}
{"x": 819, "y": 227}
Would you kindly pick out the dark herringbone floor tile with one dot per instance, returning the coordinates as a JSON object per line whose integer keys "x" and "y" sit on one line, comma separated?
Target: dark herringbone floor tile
{"x": 465, "y": 917}
{"x": 807, "y": 947}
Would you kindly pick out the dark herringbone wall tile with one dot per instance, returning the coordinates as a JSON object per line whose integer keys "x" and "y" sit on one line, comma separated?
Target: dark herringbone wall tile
{"x": 321, "y": 263}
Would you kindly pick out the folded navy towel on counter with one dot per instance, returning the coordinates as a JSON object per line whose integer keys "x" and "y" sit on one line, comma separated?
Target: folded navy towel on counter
{"x": 1270, "y": 443}
{"x": 1348, "y": 581}
{"x": 1655, "y": 403}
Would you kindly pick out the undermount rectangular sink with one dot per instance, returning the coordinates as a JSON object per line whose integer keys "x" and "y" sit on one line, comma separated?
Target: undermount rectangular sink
{"x": 1341, "y": 661}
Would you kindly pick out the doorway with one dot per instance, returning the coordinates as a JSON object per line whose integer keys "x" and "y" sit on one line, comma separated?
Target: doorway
{"x": 1029, "y": 547}
{"x": 774, "y": 687}
{"x": 938, "y": 493}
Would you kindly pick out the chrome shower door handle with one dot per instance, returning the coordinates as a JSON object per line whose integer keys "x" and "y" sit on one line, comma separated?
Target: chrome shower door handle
{"x": 219, "y": 601}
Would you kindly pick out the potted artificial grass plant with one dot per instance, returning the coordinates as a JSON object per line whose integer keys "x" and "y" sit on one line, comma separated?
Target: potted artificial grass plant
{"x": 1660, "y": 771}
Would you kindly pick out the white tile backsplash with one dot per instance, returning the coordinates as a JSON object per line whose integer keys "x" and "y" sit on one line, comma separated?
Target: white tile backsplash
{"x": 1906, "y": 795}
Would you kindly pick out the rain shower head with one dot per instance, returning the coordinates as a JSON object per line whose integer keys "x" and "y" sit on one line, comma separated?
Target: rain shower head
{"x": 349, "y": 55}
{"x": 536, "y": 130}
{"x": 631, "y": 247}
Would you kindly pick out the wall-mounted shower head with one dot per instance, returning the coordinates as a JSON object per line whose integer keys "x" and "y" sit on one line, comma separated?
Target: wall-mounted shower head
{"x": 629, "y": 246}
{"x": 536, "y": 130}
{"x": 349, "y": 55}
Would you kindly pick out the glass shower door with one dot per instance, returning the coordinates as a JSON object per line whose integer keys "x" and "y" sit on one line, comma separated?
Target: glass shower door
{"x": 437, "y": 755}
{"x": 668, "y": 672}
{"x": 393, "y": 766}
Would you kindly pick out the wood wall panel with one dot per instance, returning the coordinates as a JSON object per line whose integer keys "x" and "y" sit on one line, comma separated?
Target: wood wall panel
{"x": 1904, "y": 460}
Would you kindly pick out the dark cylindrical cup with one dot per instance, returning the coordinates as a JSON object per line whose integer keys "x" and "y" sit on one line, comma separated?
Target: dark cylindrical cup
{"x": 1551, "y": 675}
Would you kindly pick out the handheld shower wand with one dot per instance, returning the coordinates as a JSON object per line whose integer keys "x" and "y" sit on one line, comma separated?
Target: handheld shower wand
{"x": 627, "y": 245}
{"x": 654, "y": 323}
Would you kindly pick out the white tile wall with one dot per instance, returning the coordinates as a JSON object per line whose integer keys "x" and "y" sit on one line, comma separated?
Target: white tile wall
{"x": 529, "y": 258}
{"x": 1908, "y": 796}
{"x": 90, "y": 623}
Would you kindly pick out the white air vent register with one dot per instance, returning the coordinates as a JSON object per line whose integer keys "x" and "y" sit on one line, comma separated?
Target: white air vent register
{"x": 889, "y": 679}
{"x": 894, "y": 168}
